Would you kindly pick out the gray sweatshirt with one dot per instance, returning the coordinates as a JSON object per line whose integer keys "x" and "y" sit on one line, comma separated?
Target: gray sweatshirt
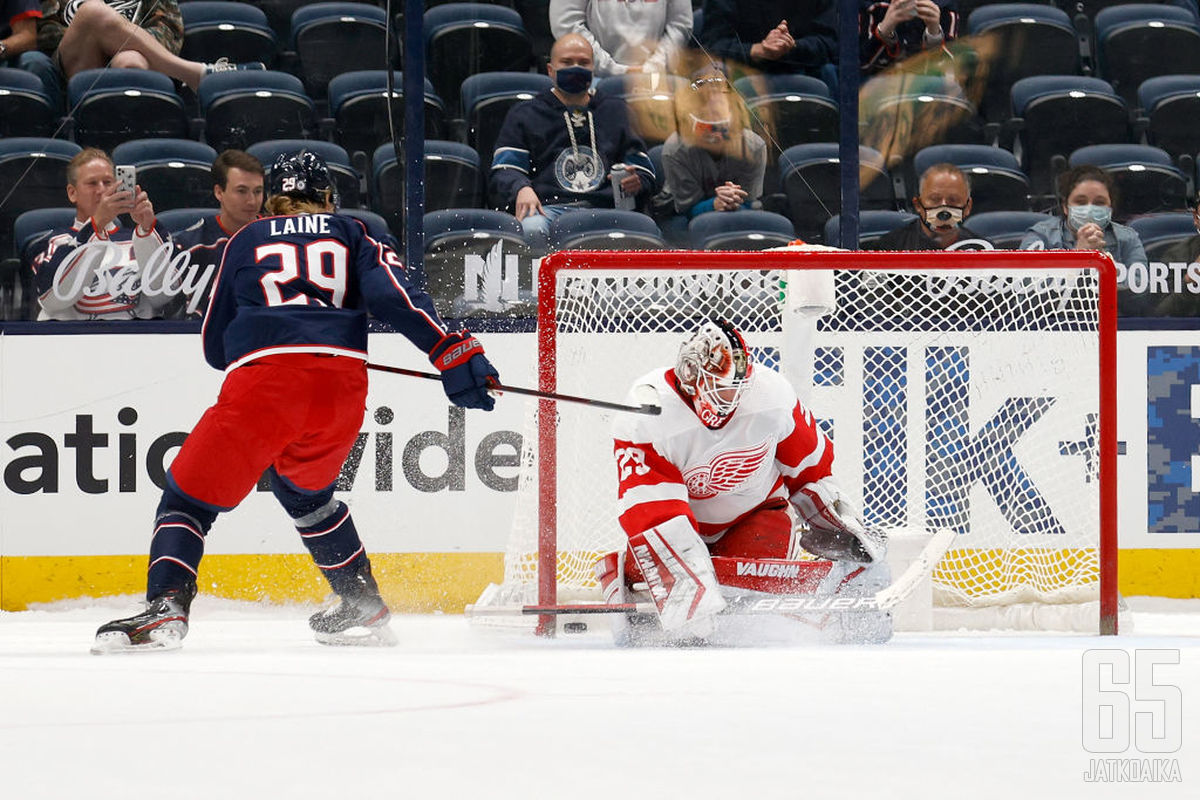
{"x": 626, "y": 33}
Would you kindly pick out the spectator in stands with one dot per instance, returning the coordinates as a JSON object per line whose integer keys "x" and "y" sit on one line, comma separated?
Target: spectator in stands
{"x": 85, "y": 34}
{"x": 891, "y": 31}
{"x": 942, "y": 204}
{"x": 87, "y": 271}
{"x": 714, "y": 162}
{"x": 1188, "y": 250}
{"x": 554, "y": 152}
{"x": 196, "y": 252}
{"x": 18, "y": 28}
{"x": 797, "y": 36}
{"x": 1087, "y": 198}
{"x": 626, "y": 37}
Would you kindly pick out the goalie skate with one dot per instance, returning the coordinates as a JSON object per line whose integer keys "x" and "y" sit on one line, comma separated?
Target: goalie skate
{"x": 361, "y": 624}
{"x": 162, "y": 626}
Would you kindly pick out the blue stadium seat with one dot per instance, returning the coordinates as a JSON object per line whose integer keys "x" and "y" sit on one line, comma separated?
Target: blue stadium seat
{"x": 871, "y": 226}
{"x": 358, "y": 106}
{"x": 997, "y": 181}
{"x": 1147, "y": 179}
{"x": 110, "y": 106}
{"x": 1005, "y": 229}
{"x": 789, "y": 109}
{"x": 1160, "y": 232}
{"x": 346, "y": 178}
{"x": 494, "y": 238}
{"x": 213, "y": 29}
{"x": 176, "y": 173}
{"x": 486, "y": 99}
{"x": 650, "y": 99}
{"x": 1137, "y": 41}
{"x": 241, "y": 108}
{"x": 605, "y": 229}
{"x": 452, "y": 179}
{"x": 25, "y": 108}
{"x": 1056, "y": 114}
{"x": 377, "y": 226}
{"x": 810, "y": 177}
{"x": 463, "y": 39}
{"x": 29, "y": 232}
{"x": 1170, "y": 106}
{"x": 739, "y": 230}
{"x": 174, "y": 220}
{"x": 33, "y": 175}
{"x": 332, "y": 38}
{"x": 1020, "y": 40}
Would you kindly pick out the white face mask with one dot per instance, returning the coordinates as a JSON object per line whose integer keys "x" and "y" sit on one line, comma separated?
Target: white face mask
{"x": 1082, "y": 215}
{"x": 941, "y": 216}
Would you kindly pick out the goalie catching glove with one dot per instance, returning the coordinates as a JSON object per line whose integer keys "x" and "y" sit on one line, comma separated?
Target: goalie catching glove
{"x": 680, "y": 575}
{"x": 467, "y": 375}
{"x": 834, "y": 530}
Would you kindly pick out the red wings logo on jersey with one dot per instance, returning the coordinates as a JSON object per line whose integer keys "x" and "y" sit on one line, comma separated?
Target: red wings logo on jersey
{"x": 725, "y": 472}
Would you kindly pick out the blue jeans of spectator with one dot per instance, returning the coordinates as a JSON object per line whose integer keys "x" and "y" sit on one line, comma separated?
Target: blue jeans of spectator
{"x": 51, "y": 77}
{"x": 536, "y": 227}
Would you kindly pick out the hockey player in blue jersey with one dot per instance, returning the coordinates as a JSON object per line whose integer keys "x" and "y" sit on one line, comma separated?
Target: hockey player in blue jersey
{"x": 287, "y": 322}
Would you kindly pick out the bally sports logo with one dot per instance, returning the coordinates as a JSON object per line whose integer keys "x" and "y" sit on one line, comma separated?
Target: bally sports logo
{"x": 725, "y": 472}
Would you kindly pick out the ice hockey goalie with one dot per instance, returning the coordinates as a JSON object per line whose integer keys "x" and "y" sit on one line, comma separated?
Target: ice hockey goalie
{"x": 727, "y": 494}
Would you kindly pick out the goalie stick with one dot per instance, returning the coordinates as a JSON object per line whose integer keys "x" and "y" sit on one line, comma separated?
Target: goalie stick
{"x": 647, "y": 408}
{"x": 884, "y": 600}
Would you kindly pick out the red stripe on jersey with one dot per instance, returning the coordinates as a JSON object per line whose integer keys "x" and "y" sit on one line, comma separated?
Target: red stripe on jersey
{"x": 800, "y": 446}
{"x": 642, "y": 465}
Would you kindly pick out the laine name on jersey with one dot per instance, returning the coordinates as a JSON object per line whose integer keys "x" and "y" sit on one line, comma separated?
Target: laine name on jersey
{"x": 306, "y": 223}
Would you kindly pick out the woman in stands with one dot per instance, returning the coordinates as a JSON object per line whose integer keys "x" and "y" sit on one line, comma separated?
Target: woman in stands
{"x": 1088, "y": 198}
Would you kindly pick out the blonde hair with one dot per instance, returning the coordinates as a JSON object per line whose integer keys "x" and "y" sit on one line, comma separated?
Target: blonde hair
{"x": 85, "y": 156}
{"x": 282, "y": 204}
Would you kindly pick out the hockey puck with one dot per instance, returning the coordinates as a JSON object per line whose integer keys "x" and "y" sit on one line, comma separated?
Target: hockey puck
{"x": 574, "y": 627}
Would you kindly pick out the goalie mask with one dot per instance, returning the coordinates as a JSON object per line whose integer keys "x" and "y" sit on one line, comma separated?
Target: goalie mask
{"x": 713, "y": 369}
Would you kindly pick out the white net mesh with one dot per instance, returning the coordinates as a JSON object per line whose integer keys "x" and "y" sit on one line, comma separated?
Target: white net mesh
{"x": 956, "y": 397}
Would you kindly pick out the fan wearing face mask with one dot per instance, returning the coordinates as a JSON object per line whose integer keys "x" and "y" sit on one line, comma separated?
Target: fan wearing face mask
{"x": 943, "y": 201}
{"x": 1086, "y": 221}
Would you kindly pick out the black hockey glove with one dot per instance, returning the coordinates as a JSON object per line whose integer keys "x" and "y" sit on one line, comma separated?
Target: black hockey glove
{"x": 466, "y": 373}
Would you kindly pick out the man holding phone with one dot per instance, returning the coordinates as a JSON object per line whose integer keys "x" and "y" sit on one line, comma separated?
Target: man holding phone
{"x": 87, "y": 271}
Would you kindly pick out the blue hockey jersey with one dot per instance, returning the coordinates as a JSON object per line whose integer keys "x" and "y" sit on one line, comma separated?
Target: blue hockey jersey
{"x": 304, "y": 284}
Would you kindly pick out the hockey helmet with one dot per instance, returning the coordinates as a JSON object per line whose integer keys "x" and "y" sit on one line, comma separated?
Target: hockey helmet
{"x": 302, "y": 174}
{"x": 713, "y": 369}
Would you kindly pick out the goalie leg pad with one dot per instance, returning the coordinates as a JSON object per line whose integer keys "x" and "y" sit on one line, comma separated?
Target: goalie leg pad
{"x": 680, "y": 575}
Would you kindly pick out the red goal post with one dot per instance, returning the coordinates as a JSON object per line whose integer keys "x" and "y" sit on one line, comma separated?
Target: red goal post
{"x": 974, "y": 390}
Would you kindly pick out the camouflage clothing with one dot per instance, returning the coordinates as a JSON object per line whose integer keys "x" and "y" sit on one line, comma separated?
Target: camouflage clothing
{"x": 160, "y": 18}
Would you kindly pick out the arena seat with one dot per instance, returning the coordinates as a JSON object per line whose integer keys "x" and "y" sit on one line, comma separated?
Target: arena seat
{"x": 175, "y": 173}
{"x": 110, "y": 106}
{"x": 1147, "y": 179}
{"x": 213, "y": 29}
{"x": 1005, "y": 229}
{"x": 346, "y": 178}
{"x": 25, "y": 109}
{"x": 810, "y": 177}
{"x": 745, "y": 229}
{"x": 241, "y": 108}
{"x": 871, "y": 226}
{"x": 997, "y": 180}
{"x": 1160, "y": 232}
{"x": 357, "y": 104}
{"x": 605, "y": 229}
{"x": 463, "y": 39}
{"x": 332, "y": 38}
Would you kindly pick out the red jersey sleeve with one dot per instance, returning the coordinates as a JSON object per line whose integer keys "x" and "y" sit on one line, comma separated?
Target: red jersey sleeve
{"x": 650, "y": 489}
{"x": 806, "y": 454}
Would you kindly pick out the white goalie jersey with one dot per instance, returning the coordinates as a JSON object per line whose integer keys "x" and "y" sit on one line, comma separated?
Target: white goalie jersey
{"x": 671, "y": 464}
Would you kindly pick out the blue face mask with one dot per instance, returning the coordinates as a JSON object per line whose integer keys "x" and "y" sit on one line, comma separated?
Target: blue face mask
{"x": 573, "y": 80}
{"x": 1081, "y": 215}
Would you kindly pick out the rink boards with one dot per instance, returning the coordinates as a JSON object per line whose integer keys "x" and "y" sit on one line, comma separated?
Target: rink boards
{"x": 90, "y": 422}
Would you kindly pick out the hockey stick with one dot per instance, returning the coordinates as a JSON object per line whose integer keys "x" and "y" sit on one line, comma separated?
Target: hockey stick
{"x": 884, "y": 600}
{"x": 499, "y": 387}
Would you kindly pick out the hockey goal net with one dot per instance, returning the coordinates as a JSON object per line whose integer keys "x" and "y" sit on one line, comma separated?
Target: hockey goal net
{"x": 973, "y": 391}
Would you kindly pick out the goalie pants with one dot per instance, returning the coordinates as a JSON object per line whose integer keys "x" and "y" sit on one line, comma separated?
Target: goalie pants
{"x": 297, "y": 415}
{"x": 765, "y": 532}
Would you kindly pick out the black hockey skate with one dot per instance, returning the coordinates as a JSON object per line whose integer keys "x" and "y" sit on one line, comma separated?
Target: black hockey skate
{"x": 359, "y": 617}
{"x": 162, "y": 626}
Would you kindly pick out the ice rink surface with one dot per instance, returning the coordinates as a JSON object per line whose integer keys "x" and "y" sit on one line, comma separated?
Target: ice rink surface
{"x": 253, "y": 708}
